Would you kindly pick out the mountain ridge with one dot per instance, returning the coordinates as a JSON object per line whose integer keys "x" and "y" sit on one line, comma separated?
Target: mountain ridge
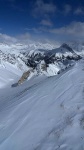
{"x": 41, "y": 61}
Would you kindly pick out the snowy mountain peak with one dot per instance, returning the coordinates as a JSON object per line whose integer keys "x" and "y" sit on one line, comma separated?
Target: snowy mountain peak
{"x": 67, "y": 47}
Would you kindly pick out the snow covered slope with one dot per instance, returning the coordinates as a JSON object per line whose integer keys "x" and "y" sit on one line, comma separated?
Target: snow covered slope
{"x": 44, "y": 113}
{"x": 9, "y": 74}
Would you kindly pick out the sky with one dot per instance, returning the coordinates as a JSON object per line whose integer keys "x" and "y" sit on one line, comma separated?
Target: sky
{"x": 55, "y": 20}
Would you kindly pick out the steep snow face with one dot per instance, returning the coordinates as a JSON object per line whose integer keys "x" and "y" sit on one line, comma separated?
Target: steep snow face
{"x": 44, "y": 113}
{"x": 13, "y": 62}
{"x": 64, "y": 50}
{"x": 9, "y": 73}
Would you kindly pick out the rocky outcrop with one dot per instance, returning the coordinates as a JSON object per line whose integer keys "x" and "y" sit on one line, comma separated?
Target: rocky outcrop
{"x": 24, "y": 76}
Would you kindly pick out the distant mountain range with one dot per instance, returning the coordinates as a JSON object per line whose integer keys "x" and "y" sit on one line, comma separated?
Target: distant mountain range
{"x": 41, "y": 59}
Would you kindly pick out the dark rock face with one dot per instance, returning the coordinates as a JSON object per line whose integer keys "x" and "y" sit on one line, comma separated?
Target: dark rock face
{"x": 52, "y": 56}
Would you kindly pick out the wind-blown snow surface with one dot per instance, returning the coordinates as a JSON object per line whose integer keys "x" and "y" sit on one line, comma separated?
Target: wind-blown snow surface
{"x": 44, "y": 113}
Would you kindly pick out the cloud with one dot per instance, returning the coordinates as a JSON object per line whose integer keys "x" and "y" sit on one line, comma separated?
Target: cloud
{"x": 42, "y": 8}
{"x": 79, "y": 11}
{"x": 73, "y": 30}
{"x": 67, "y": 8}
{"x": 46, "y": 23}
{"x": 34, "y": 30}
{"x": 7, "y": 39}
{"x": 24, "y": 36}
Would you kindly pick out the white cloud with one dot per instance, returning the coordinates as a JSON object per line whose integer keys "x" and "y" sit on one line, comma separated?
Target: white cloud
{"x": 43, "y": 8}
{"x": 24, "y": 36}
{"x": 75, "y": 29}
{"x": 79, "y": 11}
{"x": 46, "y": 23}
{"x": 7, "y": 39}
